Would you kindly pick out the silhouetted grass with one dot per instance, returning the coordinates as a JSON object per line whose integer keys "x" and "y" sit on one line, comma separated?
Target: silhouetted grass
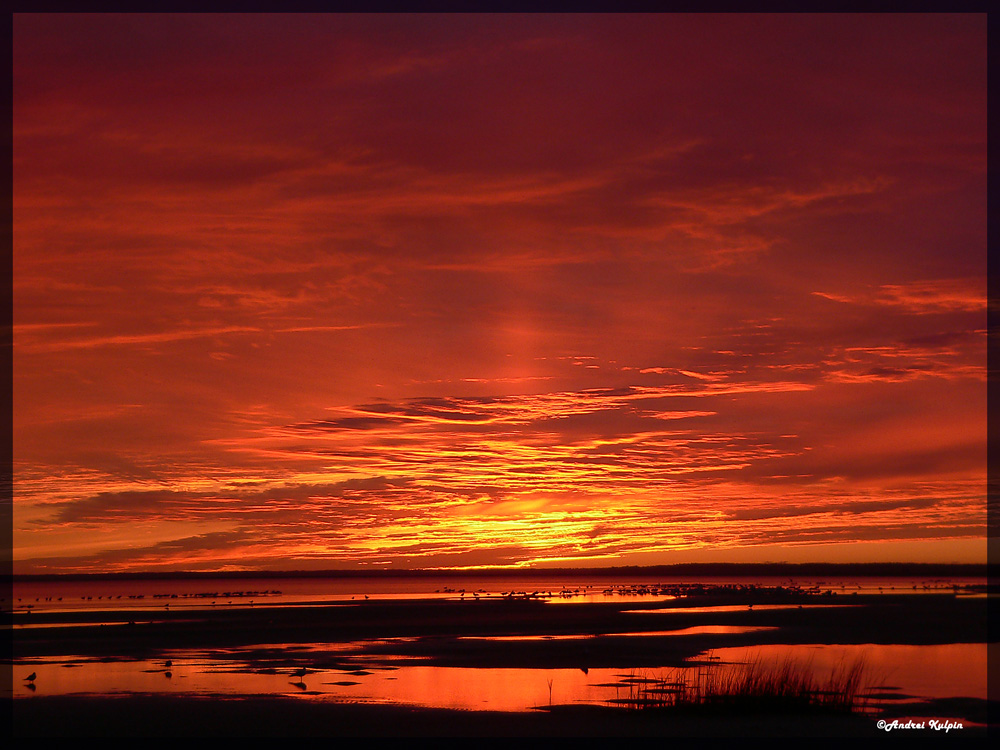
{"x": 787, "y": 686}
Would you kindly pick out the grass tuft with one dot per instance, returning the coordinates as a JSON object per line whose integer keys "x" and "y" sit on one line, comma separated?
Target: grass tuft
{"x": 757, "y": 686}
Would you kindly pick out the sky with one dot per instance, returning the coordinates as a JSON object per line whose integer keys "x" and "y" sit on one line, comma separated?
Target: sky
{"x": 447, "y": 291}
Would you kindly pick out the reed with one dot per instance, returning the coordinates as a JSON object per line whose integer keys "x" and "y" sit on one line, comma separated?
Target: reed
{"x": 751, "y": 686}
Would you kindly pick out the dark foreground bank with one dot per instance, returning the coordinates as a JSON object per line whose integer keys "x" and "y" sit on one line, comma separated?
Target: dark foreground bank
{"x": 176, "y": 716}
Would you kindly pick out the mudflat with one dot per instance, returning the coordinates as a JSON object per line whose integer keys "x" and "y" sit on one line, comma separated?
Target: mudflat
{"x": 625, "y": 633}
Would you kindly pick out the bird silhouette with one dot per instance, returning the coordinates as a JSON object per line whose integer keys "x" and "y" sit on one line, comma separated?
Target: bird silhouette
{"x": 168, "y": 664}
{"x": 31, "y": 677}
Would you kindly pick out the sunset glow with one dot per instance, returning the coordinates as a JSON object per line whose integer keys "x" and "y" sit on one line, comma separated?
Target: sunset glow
{"x": 446, "y": 291}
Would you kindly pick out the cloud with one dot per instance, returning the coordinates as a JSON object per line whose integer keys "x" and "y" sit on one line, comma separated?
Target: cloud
{"x": 945, "y": 295}
{"x": 858, "y": 507}
{"x": 923, "y": 297}
{"x": 138, "y": 339}
{"x": 451, "y": 289}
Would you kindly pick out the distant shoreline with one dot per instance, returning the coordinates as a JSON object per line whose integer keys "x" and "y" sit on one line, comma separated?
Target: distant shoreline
{"x": 924, "y": 570}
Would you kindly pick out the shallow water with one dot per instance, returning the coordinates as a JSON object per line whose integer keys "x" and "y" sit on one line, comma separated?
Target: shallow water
{"x": 934, "y": 671}
{"x": 939, "y": 671}
{"x": 181, "y": 593}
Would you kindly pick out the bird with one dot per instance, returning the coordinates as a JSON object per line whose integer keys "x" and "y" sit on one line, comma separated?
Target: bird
{"x": 168, "y": 664}
{"x": 300, "y": 673}
{"x": 31, "y": 677}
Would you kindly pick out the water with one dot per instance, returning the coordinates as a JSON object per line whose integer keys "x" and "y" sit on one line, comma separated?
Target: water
{"x": 914, "y": 672}
{"x": 152, "y": 594}
{"x": 911, "y": 671}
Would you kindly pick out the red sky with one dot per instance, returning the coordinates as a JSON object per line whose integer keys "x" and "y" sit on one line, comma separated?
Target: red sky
{"x": 454, "y": 290}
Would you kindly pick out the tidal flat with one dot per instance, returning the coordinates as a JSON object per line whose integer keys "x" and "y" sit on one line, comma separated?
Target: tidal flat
{"x": 492, "y": 665}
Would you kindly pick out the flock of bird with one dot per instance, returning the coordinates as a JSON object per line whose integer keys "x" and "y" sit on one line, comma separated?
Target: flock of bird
{"x": 168, "y": 664}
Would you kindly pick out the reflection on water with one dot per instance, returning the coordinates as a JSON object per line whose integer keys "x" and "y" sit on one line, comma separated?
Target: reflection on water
{"x": 68, "y": 595}
{"x": 440, "y": 687}
{"x": 729, "y": 608}
{"x": 694, "y": 630}
{"x": 937, "y": 671}
{"x": 486, "y": 689}
{"x": 352, "y": 671}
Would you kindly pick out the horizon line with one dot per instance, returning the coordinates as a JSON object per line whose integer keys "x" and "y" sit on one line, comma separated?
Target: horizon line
{"x": 696, "y": 567}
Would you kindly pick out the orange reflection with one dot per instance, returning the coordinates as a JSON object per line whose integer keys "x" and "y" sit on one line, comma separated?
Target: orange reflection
{"x": 939, "y": 671}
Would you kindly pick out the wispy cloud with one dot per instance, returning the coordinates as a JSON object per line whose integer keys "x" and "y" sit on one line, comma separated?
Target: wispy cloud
{"x": 923, "y": 297}
{"x": 455, "y": 290}
{"x": 138, "y": 339}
